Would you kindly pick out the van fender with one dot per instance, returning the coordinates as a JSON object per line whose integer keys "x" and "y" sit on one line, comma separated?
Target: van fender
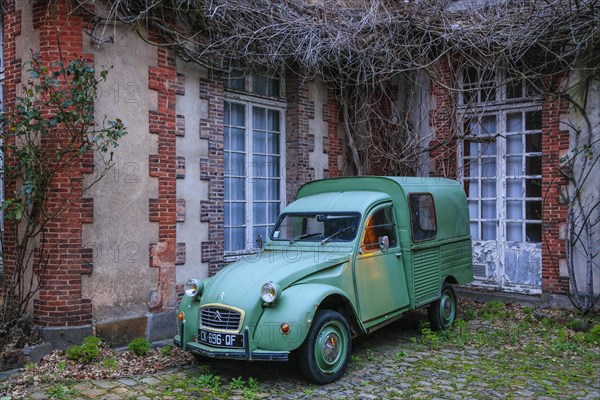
{"x": 297, "y": 306}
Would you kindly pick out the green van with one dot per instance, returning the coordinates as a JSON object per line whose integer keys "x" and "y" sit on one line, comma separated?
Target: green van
{"x": 349, "y": 256}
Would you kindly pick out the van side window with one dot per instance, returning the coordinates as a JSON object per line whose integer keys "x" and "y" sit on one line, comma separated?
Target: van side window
{"x": 381, "y": 223}
{"x": 422, "y": 217}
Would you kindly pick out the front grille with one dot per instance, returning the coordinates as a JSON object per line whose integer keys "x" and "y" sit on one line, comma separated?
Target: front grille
{"x": 220, "y": 318}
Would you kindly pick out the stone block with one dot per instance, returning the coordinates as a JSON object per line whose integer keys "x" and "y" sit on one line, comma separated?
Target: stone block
{"x": 121, "y": 332}
{"x": 162, "y": 325}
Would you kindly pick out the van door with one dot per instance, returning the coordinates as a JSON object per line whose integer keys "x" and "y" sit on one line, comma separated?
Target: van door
{"x": 379, "y": 273}
{"x": 426, "y": 278}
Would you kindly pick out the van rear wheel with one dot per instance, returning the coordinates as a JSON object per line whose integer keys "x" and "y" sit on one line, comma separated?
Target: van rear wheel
{"x": 442, "y": 312}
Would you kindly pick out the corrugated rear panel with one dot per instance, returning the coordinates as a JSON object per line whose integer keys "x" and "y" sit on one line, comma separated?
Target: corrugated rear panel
{"x": 427, "y": 275}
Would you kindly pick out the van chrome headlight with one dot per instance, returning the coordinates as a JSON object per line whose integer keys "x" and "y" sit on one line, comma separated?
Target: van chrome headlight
{"x": 269, "y": 292}
{"x": 193, "y": 287}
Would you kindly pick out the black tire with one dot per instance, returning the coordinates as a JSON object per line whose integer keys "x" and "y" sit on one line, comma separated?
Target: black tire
{"x": 324, "y": 355}
{"x": 442, "y": 312}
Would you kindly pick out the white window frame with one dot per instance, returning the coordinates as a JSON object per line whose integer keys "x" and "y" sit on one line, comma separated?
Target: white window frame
{"x": 278, "y": 105}
{"x": 499, "y": 107}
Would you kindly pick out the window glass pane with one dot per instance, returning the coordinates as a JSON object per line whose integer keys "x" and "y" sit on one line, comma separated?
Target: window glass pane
{"x": 514, "y": 209}
{"x": 260, "y": 213}
{"x": 533, "y": 120}
{"x": 259, "y": 165}
{"x": 235, "y": 80}
{"x": 488, "y": 167}
{"x": 470, "y": 75}
{"x": 488, "y": 125}
{"x": 514, "y": 144}
{"x": 237, "y": 114}
{"x": 422, "y": 216}
{"x": 380, "y": 224}
{"x": 273, "y": 166}
{"x": 514, "y": 231}
{"x": 533, "y": 210}
{"x": 273, "y": 120}
{"x": 237, "y": 139}
{"x": 533, "y": 233}
{"x": 533, "y": 187}
{"x": 473, "y": 149}
{"x": 226, "y": 212}
{"x": 259, "y": 142}
{"x": 474, "y": 230}
{"x": 226, "y": 136}
{"x": 514, "y": 89}
{"x": 488, "y": 230}
{"x": 533, "y": 165}
{"x": 514, "y": 188}
{"x": 237, "y": 164}
{"x": 273, "y": 212}
{"x": 273, "y": 143}
{"x": 238, "y": 214}
{"x": 474, "y": 209}
{"x": 473, "y": 170}
{"x": 472, "y": 189}
{"x": 273, "y": 193}
{"x": 488, "y": 209}
{"x": 237, "y": 239}
{"x": 259, "y": 84}
{"x": 488, "y": 188}
{"x": 260, "y": 189}
{"x": 235, "y": 189}
{"x": 275, "y": 87}
{"x": 488, "y": 148}
{"x": 514, "y": 166}
{"x": 533, "y": 143}
{"x": 488, "y": 94}
{"x": 514, "y": 122}
{"x": 259, "y": 118}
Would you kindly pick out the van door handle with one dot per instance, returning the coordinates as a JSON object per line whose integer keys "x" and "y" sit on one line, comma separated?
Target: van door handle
{"x": 399, "y": 254}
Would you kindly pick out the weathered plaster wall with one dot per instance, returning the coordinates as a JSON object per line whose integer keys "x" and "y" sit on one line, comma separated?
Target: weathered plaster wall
{"x": 26, "y": 43}
{"x": 591, "y": 190}
{"x": 121, "y": 282}
{"x": 191, "y": 190}
{"x": 319, "y": 129}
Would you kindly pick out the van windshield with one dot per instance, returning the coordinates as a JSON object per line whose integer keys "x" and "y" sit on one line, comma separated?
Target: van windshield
{"x": 316, "y": 227}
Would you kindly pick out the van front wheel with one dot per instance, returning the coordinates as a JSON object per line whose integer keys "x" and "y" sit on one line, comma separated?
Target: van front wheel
{"x": 442, "y": 313}
{"x": 323, "y": 357}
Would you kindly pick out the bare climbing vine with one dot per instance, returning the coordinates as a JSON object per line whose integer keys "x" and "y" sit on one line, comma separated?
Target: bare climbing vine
{"x": 379, "y": 54}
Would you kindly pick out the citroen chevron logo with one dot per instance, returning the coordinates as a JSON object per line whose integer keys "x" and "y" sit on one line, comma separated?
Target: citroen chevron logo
{"x": 221, "y": 296}
{"x": 218, "y": 316}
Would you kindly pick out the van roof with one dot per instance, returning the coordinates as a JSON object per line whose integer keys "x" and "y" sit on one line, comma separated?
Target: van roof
{"x": 452, "y": 213}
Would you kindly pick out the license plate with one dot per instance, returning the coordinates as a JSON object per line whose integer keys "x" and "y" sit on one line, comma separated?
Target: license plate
{"x": 216, "y": 339}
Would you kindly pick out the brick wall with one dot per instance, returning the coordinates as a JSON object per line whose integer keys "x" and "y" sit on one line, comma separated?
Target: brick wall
{"x": 332, "y": 144}
{"x": 555, "y": 141}
{"x": 12, "y": 78}
{"x": 163, "y": 122}
{"x": 59, "y": 301}
{"x": 442, "y": 122}
{"x": 299, "y": 142}
{"x": 212, "y": 170}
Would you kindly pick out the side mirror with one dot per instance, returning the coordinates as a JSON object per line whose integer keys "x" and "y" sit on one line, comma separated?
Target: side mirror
{"x": 259, "y": 241}
{"x": 384, "y": 243}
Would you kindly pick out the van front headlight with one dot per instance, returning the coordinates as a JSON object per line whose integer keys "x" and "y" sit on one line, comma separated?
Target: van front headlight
{"x": 193, "y": 287}
{"x": 269, "y": 292}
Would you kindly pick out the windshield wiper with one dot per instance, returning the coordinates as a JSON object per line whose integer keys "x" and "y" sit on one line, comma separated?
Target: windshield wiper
{"x": 304, "y": 236}
{"x": 337, "y": 234}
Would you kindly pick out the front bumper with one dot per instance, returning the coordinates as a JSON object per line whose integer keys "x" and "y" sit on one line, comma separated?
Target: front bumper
{"x": 234, "y": 354}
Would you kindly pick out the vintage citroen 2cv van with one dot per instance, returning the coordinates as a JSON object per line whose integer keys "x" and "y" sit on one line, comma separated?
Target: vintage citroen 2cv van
{"x": 350, "y": 255}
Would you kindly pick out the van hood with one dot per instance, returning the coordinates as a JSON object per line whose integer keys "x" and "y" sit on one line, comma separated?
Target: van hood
{"x": 239, "y": 284}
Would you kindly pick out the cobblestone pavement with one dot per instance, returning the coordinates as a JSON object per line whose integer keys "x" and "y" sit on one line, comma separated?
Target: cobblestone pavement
{"x": 390, "y": 363}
